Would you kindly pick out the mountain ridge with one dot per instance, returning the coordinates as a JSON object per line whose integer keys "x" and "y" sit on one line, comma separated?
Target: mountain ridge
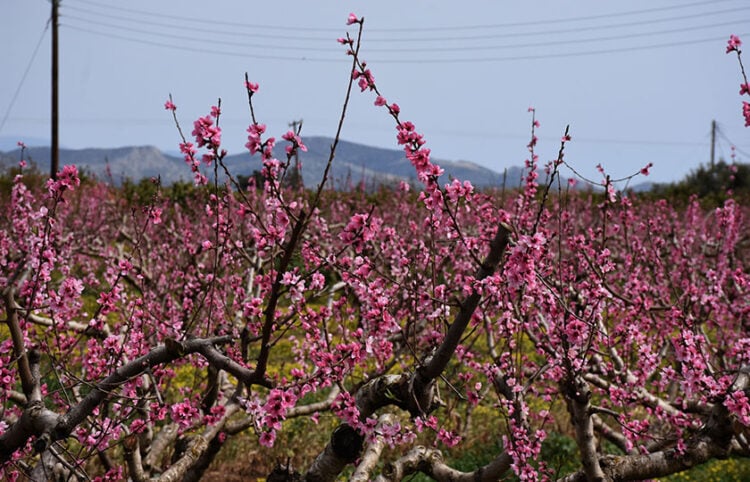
{"x": 354, "y": 163}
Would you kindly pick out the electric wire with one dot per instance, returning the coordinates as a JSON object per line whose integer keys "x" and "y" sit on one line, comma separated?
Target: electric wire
{"x": 462, "y": 134}
{"x": 736, "y": 147}
{"x": 25, "y": 74}
{"x": 422, "y": 29}
{"x": 458, "y": 60}
{"x": 203, "y": 50}
{"x": 284, "y": 35}
{"x": 589, "y": 40}
{"x": 411, "y": 28}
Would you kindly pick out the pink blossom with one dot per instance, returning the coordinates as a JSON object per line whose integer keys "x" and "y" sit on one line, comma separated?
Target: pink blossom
{"x": 125, "y": 267}
{"x": 138, "y": 426}
{"x": 254, "y": 143}
{"x": 206, "y": 133}
{"x": 154, "y": 215}
{"x": 380, "y": 101}
{"x": 450, "y": 439}
{"x": 737, "y": 402}
{"x": 251, "y": 87}
{"x": 648, "y": 166}
{"x": 733, "y": 44}
{"x": 184, "y": 414}
{"x": 169, "y": 105}
{"x": 67, "y": 179}
{"x": 745, "y": 89}
{"x": 267, "y": 439}
{"x": 366, "y": 79}
{"x": 611, "y": 193}
{"x": 352, "y": 19}
{"x": 296, "y": 141}
{"x": 188, "y": 148}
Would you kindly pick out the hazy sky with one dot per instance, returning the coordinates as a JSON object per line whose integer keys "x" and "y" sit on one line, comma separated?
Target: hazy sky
{"x": 637, "y": 81}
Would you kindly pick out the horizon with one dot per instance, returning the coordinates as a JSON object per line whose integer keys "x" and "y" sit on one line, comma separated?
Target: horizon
{"x": 635, "y": 182}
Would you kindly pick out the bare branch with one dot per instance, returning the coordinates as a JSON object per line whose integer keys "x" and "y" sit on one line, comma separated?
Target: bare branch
{"x": 578, "y": 394}
{"x": 132, "y": 453}
{"x": 371, "y": 457}
{"x": 197, "y": 447}
{"x": 430, "y": 462}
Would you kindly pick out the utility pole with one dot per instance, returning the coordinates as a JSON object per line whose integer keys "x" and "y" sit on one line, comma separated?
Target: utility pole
{"x": 713, "y": 143}
{"x": 55, "y": 148}
{"x": 296, "y": 176}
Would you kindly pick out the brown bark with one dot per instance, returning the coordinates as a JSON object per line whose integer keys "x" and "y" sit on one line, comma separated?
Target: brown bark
{"x": 49, "y": 427}
{"x": 578, "y": 394}
{"x": 430, "y": 462}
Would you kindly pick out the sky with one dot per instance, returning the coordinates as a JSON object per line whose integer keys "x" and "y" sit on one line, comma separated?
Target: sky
{"x": 638, "y": 81}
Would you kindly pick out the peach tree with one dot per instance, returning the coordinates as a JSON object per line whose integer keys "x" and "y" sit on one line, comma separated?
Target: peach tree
{"x": 138, "y": 342}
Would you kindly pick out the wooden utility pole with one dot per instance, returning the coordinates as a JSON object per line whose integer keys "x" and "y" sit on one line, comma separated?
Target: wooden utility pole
{"x": 295, "y": 179}
{"x": 55, "y": 148}
{"x": 713, "y": 142}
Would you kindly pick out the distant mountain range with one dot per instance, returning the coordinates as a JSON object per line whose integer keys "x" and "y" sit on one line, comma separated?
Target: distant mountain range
{"x": 354, "y": 163}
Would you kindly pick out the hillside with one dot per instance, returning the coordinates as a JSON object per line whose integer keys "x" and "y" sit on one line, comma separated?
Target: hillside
{"x": 353, "y": 163}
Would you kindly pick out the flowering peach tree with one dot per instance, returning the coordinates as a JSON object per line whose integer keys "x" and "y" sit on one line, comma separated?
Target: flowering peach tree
{"x": 137, "y": 343}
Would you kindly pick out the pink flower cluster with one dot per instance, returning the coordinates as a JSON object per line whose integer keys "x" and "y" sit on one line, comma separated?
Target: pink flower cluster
{"x": 737, "y": 402}
{"x": 251, "y": 87}
{"x": 733, "y": 45}
{"x": 67, "y": 179}
{"x": 366, "y": 80}
{"x": 295, "y": 141}
{"x": 360, "y": 229}
{"x": 206, "y": 132}
{"x": 254, "y": 142}
{"x": 185, "y": 414}
{"x": 272, "y": 413}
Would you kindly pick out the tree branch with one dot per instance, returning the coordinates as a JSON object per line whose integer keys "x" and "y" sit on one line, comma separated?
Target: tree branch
{"x": 371, "y": 457}
{"x": 430, "y": 462}
{"x": 578, "y": 395}
{"x": 414, "y": 393}
{"x": 197, "y": 447}
{"x": 38, "y": 420}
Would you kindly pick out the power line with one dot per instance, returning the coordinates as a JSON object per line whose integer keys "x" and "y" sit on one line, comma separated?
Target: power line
{"x": 286, "y": 28}
{"x": 193, "y": 39}
{"x": 402, "y": 61}
{"x": 462, "y": 60}
{"x": 441, "y": 39}
{"x": 736, "y": 148}
{"x": 213, "y": 31}
{"x": 270, "y": 46}
{"x": 370, "y": 127}
{"x": 25, "y": 74}
{"x": 203, "y": 50}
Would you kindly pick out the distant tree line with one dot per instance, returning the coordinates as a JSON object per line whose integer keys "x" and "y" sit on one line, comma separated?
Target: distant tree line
{"x": 712, "y": 184}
